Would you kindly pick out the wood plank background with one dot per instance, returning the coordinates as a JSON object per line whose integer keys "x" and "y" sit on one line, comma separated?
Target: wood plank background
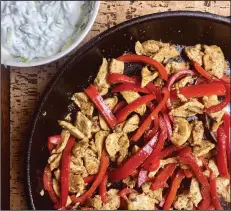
{"x": 27, "y": 84}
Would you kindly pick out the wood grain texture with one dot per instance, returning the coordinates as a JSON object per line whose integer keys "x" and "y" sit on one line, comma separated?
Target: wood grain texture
{"x": 5, "y": 137}
{"x": 27, "y": 84}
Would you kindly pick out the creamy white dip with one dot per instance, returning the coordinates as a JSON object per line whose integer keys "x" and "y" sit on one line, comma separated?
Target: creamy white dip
{"x": 38, "y": 29}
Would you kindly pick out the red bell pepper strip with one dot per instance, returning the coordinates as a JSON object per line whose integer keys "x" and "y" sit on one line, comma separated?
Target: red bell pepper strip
{"x": 123, "y": 113}
{"x": 153, "y": 161}
{"x": 226, "y": 79}
{"x": 213, "y": 188}
{"x": 133, "y": 162}
{"x": 160, "y": 180}
{"x": 149, "y": 119}
{"x": 154, "y": 130}
{"x": 221, "y": 152}
{"x": 53, "y": 141}
{"x": 147, "y": 60}
{"x": 168, "y": 125}
{"x": 48, "y": 184}
{"x": 211, "y": 207}
{"x": 155, "y": 90}
{"x": 93, "y": 94}
{"x": 89, "y": 178}
{"x": 119, "y": 106}
{"x": 188, "y": 173}
{"x": 200, "y": 90}
{"x": 103, "y": 189}
{"x": 104, "y": 162}
{"x": 222, "y": 104}
{"x": 115, "y": 78}
{"x": 65, "y": 171}
{"x": 173, "y": 189}
{"x": 186, "y": 157}
{"x": 130, "y": 87}
{"x": 207, "y": 75}
{"x": 168, "y": 151}
{"x": 202, "y": 71}
{"x": 142, "y": 177}
{"x": 226, "y": 120}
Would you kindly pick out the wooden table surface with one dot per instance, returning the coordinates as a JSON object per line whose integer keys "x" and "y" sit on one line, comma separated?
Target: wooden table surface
{"x": 22, "y": 88}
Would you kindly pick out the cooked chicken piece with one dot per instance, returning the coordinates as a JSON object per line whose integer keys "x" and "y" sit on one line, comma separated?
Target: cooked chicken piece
{"x": 142, "y": 201}
{"x": 116, "y": 66}
{"x": 83, "y": 124}
{"x": 190, "y": 108}
{"x": 54, "y": 161}
{"x": 95, "y": 124}
{"x": 111, "y": 103}
{"x": 197, "y": 132}
{"x": 77, "y": 160}
{"x": 91, "y": 163}
{"x": 119, "y": 127}
{"x": 130, "y": 182}
{"x": 157, "y": 194}
{"x": 166, "y": 53}
{"x": 72, "y": 129}
{"x": 131, "y": 96}
{"x": 135, "y": 149}
{"x": 84, "y": 103}
{"x": 181, "y": 97}
{"x": 173, "y": 67}
{"x": 68, "y": 117}
{"x": 217, "y": 116}
{"x": 76, "y": 183}
{"x": 194, "y": 192}
{"x": 56, "y": 187}
{"x": 213, "y": 166}
{"x": 194, "y": 53}
{"x": 65, "y": 135}
{"x": 57, "y": 174}
{"x": 183, "y": 202}
{"x": 117, "y": 142}
{"x": 149, "y": 47}
{"x": 223, "y": 188}
{"x": 181, "y": 131}
{"x": 113, "y": 200}
{"x": 80, "y": 147}
{"x": 111, "y": 143}
{"x": 122, "y": 154}
{"x": 131, "y": 124}
{"x": 101, "y": 79}
{"x": 100, "y": 138}
{"x": 147, "y": 76}
{"x": 184, "y": 81}
{"x": 95, "y": 202}
{"x": 214, "y": 60}
{"x": 203, "y": 148}
{"x": 77, "y": 169}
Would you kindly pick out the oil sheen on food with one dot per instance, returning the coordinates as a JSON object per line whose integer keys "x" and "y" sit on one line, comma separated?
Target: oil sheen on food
{"x": 38, "y": 29}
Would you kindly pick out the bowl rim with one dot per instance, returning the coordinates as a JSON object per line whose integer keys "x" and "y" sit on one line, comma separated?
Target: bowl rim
{"x": 61, "y": 54}
{"x": 80, "y": 53}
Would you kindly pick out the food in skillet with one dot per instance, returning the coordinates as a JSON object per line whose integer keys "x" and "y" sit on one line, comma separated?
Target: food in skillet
{"x": 155, "y": 140}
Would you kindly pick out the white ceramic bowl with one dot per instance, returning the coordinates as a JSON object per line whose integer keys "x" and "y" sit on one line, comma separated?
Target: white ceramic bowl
{"x": 9, "y": 60}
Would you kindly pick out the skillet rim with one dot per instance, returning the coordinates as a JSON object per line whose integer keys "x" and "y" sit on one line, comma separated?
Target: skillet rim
{"x": 80, "y": 53}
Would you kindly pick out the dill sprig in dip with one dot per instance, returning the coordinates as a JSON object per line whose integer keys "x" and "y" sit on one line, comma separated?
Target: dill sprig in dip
{"x": 38, "y": 29}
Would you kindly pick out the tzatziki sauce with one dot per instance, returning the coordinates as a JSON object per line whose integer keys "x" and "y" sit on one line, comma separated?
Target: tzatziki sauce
{"x": 38, "y": 29}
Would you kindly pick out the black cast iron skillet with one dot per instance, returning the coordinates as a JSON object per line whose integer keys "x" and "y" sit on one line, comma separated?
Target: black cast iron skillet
{"x": 184, "y": 28}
